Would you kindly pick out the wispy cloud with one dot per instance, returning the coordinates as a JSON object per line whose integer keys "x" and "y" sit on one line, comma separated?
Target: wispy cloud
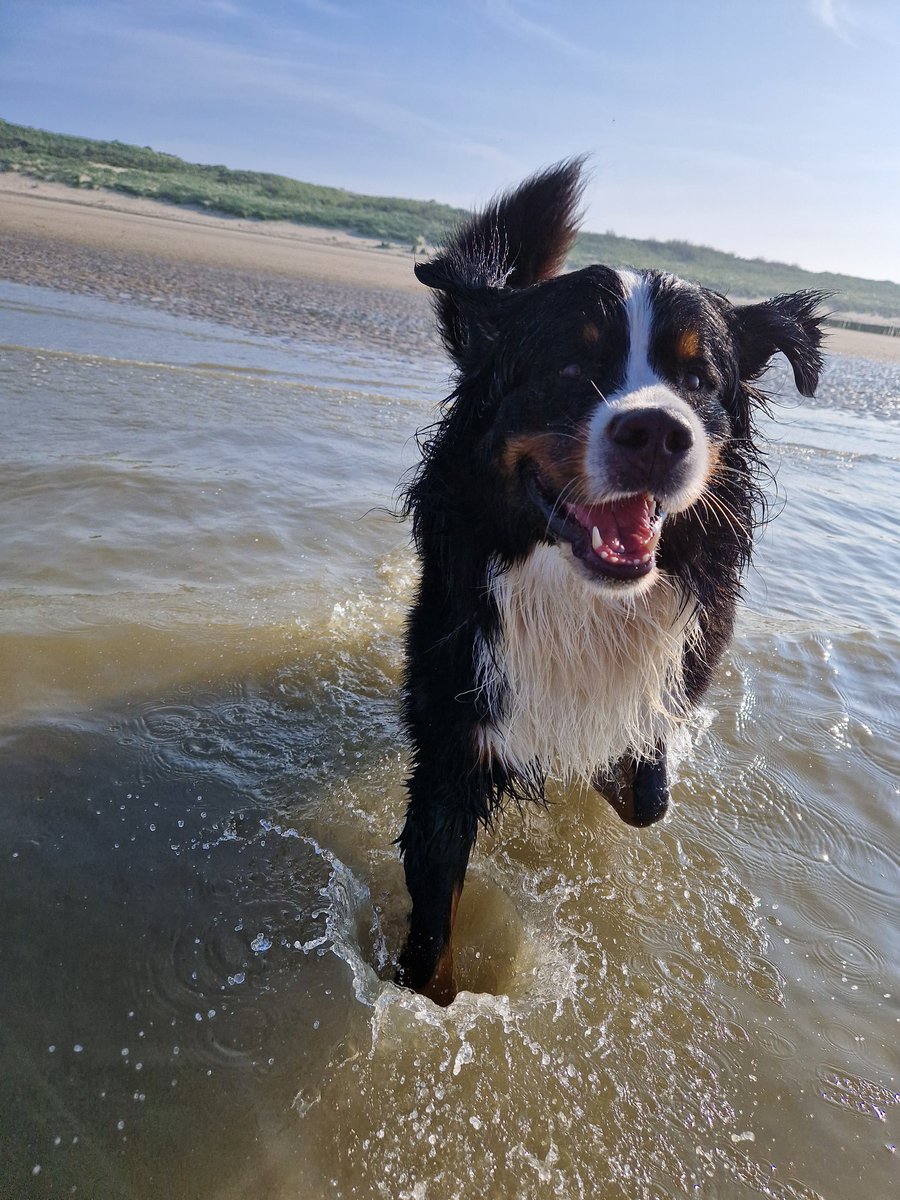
{"x": 325, "y": 8}
{"x": 223, "y": 8}
{"x": 342, "y": 85}
{"x": 835, "y": 15}
{"x": 512, "y": 19}
{"x": 849, "y": 19}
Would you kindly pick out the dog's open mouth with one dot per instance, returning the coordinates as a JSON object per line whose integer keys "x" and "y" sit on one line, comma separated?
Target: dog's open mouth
{"x": 617, "y": 540}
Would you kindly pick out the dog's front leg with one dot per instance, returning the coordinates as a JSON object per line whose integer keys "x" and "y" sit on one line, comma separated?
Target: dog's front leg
{"x": 436, "y": 841}
{"x": 636, "y": 788}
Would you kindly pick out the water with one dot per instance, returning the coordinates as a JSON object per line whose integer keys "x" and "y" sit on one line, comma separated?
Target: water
{"x": 201, "y": 606}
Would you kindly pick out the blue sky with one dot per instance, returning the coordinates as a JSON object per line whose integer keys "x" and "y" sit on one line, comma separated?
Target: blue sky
{"x": 765, "y": 128}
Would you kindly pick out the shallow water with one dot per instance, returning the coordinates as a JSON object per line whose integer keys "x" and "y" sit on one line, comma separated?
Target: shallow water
{"x": 201, "y": 606}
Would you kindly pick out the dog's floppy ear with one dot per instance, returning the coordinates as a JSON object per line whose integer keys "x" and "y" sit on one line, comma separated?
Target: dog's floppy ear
{"x": 789, "y": 323}
{"x": 466, "y": 313}
{"x": 520, "y": 239}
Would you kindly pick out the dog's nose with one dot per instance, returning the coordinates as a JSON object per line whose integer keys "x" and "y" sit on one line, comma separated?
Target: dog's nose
{"x": 651, "y": 437}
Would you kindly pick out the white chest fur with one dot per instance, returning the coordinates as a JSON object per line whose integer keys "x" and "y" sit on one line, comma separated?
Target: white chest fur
{"x": 577, "y": 676}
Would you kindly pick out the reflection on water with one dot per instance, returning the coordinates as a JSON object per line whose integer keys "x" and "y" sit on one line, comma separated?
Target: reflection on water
{"x": 201, "y": 607}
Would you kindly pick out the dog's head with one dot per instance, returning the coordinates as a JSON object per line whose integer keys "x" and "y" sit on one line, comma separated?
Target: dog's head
{"x": 600, "y": 401}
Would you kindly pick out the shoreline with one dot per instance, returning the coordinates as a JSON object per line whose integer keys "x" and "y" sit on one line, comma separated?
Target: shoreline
{"x": 103, "y": 218}
{"x": 273, "y": 278}
{"x": 278, "y": 280}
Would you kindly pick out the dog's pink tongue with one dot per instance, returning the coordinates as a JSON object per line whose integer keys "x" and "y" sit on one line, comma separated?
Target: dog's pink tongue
{"x": 624, "y": 525}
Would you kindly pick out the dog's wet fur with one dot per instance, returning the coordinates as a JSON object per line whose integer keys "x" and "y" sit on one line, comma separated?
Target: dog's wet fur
{"x": 583, "y": 512}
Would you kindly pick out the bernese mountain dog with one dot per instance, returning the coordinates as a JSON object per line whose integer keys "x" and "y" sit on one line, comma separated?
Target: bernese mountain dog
{"x": 583, "y": 512}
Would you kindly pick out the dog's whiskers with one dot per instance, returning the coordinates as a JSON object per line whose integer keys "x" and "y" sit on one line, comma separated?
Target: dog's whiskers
{"x": 714, "y": 506}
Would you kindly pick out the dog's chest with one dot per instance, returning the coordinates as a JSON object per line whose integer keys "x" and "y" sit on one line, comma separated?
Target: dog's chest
{"x": 575, "y": 679}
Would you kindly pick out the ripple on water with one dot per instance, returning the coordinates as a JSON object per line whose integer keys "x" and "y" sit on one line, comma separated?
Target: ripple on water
{"x": 250, "y": 910}
{"x": 578, "y": 1033}
{"x": 856, "y": 1094}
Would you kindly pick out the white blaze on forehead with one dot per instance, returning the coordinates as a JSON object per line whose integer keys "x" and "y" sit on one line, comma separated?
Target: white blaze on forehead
{"x": 641, "y": 388}
{"x": 639, "y": 314}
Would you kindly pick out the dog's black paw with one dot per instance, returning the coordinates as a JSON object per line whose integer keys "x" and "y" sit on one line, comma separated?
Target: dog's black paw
{"x": 638, "y": 791}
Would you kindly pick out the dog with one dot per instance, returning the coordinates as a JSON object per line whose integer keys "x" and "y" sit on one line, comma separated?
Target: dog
{"x": 583, "y": 513}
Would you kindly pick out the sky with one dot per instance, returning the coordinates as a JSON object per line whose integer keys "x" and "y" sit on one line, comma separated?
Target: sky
{"x": 766, "y": 128}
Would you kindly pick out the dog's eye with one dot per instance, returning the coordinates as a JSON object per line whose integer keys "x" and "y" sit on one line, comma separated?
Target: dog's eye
{"x": 691, "y": 383}
{"x": 570, "y": 371}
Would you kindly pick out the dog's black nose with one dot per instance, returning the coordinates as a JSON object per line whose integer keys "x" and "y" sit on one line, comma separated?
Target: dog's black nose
{"x": 651, "y": 437}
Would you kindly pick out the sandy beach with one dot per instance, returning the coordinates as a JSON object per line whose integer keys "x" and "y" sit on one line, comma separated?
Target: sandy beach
{"x": 269, "y": 277}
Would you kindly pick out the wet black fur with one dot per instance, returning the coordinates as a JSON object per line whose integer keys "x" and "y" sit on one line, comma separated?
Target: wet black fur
{"x": 511, "y": 323}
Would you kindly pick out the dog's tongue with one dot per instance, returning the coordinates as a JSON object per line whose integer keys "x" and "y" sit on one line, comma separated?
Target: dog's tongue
{"x": 624, "y": 526}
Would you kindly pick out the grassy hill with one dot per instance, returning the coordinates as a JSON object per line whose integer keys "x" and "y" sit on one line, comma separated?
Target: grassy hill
{"x": 140, "y": 171}
{"x": 746, "y": 278}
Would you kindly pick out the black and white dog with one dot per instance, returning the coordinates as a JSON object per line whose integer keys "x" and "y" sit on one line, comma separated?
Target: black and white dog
{"x": 583, "y": 513}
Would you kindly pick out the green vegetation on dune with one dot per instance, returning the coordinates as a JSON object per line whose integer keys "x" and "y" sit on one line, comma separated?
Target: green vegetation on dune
{"x": 140, "y": 171}
{"x": 745, "y": 278}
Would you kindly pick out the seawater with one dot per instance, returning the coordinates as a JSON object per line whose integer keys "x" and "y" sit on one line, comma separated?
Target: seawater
{"x": 201, "y": 610}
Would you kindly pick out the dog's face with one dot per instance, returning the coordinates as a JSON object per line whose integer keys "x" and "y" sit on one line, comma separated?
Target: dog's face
{"x": 616, "y": 389}
{"x": 610, "y": 397}
{"x": 591, "y": 405}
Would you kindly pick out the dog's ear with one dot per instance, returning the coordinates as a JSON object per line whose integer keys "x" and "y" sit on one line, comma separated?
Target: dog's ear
{"x": 520, "y": 239}
{"x": 789, "y": 323}
{"x": 467, "y": 317}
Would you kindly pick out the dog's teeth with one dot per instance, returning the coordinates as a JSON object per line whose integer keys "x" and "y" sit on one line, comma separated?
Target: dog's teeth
{"x": 596, "y": 539}
{"x": 604, "y": 554}
{"x": 645, "y": 558}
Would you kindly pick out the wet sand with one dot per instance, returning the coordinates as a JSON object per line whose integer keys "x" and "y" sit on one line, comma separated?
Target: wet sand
{"x": 270, "y": 277}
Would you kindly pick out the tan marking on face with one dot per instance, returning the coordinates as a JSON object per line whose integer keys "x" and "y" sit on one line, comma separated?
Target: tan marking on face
{"x": 715, "y": 460}
{"x": 688, "y": 344}
{"x": 558, "y": 459}
{"x": 714, "y": 467}
{"x": 590, "y": 333}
